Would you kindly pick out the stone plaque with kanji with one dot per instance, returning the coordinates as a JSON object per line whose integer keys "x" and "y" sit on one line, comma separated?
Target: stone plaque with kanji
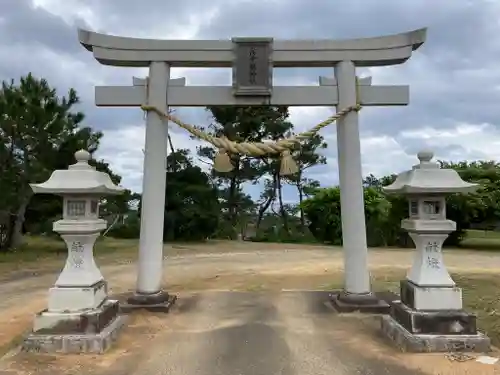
{"x": 252, "y": 67}
{"x": 76, "y": 253}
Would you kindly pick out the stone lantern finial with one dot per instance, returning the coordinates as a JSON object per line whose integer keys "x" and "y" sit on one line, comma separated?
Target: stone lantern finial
{"x": 425, "y": 156}
{"x": 82, "y": 156}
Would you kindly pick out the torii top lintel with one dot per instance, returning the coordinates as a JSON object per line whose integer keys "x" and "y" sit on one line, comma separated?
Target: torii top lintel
{"x": 136, "y": 52}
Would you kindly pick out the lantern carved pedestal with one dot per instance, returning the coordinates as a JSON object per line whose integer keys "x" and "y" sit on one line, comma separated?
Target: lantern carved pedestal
{"x": 80, "y": 317}
{"x": 430, "y": 316}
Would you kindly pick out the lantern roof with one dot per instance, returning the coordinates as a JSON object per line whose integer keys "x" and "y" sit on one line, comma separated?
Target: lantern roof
{"x": 79, "y": 178}
{"x": 428, "y": 177}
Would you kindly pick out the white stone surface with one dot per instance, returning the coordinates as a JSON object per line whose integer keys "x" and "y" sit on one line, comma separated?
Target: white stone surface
{"x": 74, "y": 299}
{"x": 438, "y": 298}
{"x": 81, "y": 186}
{"x": 332, "y": 81}
{"x": 150, "y": 262}
{"x": 201, "y": 96}
{"x": 357, "y": 277}
{"x": 78, "y": 227}
{"x": 79, "y": 178}
{"x": 429, "y": 226}
{"x": 50, "y": 319}
{"x": 428, "y": 178}
{"x": 426, "y": 186}
{"x": 134, "y": 52}
{"x": 174, "y": 82}
{"x": 80, "y": 269}
{"x": 428, "y": 268}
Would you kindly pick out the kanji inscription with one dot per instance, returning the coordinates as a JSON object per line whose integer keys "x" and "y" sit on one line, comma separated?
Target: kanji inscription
{"x": 76, "y": 254}
{"x": 432, "y": 249}
{"x": 252, "y": 67}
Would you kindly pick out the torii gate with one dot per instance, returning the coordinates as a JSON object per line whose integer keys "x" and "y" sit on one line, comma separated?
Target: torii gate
{"x": 252, "y": 60}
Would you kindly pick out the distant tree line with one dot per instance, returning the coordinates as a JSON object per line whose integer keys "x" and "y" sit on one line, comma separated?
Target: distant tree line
{"x": 384, "y": 212}
{"x": 40, "y": 131}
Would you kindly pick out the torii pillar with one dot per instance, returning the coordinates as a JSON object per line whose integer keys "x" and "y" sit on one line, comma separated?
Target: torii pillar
{"x": 254, "y": 59}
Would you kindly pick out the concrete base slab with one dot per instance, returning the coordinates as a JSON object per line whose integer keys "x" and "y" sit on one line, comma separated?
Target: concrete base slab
{"x": 430, "y": 298}
{"x": 159, "y": 302}
{"x": 437, "y": 322}
{"x": 77, "y": 322}
{"x": 371, "y": 304}
{"x": 75, "y": 298}
{"x": 96, "y": 343}
{"x": 408, "y": 342}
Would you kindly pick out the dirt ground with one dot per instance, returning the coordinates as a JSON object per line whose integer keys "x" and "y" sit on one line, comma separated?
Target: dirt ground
{"x": 226, "y": 278}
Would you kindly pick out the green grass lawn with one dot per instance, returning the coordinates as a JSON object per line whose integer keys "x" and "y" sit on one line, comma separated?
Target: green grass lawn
{"x": 50, "y": 251}
{"x": 35, "y": 248}
{"x": 47, "y": 248}
{"x": 481, "y": 240}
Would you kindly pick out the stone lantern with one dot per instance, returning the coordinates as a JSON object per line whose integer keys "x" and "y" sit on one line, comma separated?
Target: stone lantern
{"x": 429, "y": 316}
{"x": 79, "y": 317}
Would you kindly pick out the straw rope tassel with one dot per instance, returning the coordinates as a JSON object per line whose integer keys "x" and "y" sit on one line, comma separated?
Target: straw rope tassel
{"x": 222, "y": 161}
{"x": 288, "y": 165}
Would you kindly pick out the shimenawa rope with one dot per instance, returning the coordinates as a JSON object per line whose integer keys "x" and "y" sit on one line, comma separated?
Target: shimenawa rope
{"x": 222, "y": 161}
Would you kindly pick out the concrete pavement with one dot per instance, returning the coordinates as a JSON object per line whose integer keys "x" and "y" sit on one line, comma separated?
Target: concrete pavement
{"x": 245, "y": 333}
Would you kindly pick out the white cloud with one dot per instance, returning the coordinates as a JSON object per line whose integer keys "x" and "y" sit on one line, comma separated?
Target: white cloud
{"x": 123, "y": 149}
{"x": 453, "y": 78}
{"x": 69, "y": 10}
{"x": 482, "y": 140}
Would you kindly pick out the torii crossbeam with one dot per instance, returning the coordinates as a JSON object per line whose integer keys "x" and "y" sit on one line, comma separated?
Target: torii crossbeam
{"x": 180, "y": 95}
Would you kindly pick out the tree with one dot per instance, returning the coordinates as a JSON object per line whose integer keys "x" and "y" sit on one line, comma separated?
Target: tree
{"x": 35, "y": 123}
{"x": 267, "y": 197}
{"x": 245, "y": 215}
{"x": 322, "y": 211}
{"x": 43, "y": 209}
{"x": 191, "y": 201}
{"x": 385, "y": 212}
{"x": 39, "y": 133}
{"x": 250, "y": 124}
{"x": 481, "y": 207}
{"x": 306, "y": 156}
{"x": 393, "y": 234}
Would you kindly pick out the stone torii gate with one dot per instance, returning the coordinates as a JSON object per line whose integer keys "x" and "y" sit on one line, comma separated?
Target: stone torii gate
{"x": 252, "y": 60}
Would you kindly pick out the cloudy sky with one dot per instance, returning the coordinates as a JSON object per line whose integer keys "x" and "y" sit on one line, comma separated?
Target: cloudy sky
{"x": 454, "y": 78}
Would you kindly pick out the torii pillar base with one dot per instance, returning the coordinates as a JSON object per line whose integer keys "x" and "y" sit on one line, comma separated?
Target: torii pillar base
{"x": 370, "y": 303}
{"x": 157, "y": 302}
